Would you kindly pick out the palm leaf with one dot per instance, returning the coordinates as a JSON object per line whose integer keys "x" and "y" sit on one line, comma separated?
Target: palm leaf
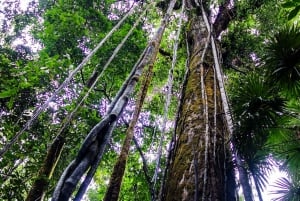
{"x": 284, "y": 142}
{"x": 256, "y": 107}
{"x": 282, "y": 59}
{"x": 286, "y": 190}
{"x": 260, "y": 165}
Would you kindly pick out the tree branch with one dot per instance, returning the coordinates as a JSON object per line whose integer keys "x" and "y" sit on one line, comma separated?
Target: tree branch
{"x": 226, "y": 13}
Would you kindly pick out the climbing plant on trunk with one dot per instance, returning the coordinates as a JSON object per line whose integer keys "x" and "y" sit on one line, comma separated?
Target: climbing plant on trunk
{"x": 198, "y": 166}
{"x": 92, "y": 149}
{"x": 203, "y": 154}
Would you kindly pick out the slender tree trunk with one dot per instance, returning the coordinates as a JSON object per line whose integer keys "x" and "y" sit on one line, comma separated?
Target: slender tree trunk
{"x": 244, "y": 179}
{"x": 38, "y": 189}
{"x": 231, "y": 186}
{"x": 112, "y": 193}
{"x": 40, "y": 184}
{"x": 197, "y": 170}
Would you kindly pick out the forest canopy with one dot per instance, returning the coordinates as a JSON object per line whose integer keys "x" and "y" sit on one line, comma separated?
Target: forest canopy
{"x": 149, "y": 100}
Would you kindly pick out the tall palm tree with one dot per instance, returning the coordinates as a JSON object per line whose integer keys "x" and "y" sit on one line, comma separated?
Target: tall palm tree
{"x": 256, "y": 106}
{"x": 283, "y": 67}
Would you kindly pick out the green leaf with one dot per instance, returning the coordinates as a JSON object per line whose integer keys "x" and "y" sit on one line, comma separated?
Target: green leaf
{"x": 294, "y": 13}
{"x": 8, "y": 93}
{"x": 288, "y": 4}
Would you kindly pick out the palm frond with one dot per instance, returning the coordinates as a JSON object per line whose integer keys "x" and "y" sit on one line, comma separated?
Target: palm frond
{"x": 286, "y": 190}
{"x": 282, "y": 59}
{"x": 260, "y": 166}
{"x": 256, "y": 107}
{"x": 284, "y": 142}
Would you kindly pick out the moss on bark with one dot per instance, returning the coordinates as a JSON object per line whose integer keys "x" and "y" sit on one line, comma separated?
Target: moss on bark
{"x": 191, "y": 129}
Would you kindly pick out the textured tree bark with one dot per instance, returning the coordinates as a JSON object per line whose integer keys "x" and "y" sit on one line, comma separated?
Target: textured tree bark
{"x": 227, "y": 12}
{"x": 40, "y": 185}
{"x": 112, "y": 193}
{"x": 198, "y": 167}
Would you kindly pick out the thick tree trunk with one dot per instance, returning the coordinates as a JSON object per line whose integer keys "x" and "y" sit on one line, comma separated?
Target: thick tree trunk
{"x": 198, "y": 167}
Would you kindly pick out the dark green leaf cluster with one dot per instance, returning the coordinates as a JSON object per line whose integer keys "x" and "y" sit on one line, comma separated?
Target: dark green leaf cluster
{"x": 283, "y": 59}
{"x": 67, "y": 32}
{"x": 256, "y": 107}
{"x": 264, "y": 103}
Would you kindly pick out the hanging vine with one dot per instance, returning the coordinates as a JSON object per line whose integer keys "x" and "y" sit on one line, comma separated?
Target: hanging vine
{"x": 55, "y": 149}
{"x": 91, "y": 151}
{"x": 112, "y": 193}
{"x": 40, "y": 109}
{"x": 169, "y": 94}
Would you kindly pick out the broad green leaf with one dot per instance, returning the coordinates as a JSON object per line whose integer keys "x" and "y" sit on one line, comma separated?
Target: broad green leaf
{"x": 8, "y": 93}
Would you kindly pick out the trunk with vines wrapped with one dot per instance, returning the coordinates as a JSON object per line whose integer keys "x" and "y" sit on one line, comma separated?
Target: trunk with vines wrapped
{"x": 198, "y": 167}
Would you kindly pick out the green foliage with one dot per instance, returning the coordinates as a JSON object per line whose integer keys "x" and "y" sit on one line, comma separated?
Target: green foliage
{"x": 255, "y": 103}
{"x": 246, "y": 7}
{"x": 265, "y": 124}
{"x": 237, "y": 55}
{"x": 58, "y": 36}
{"x": 283, "y": 59}
{"x": 256, "y": 108}
{"x": 260, "y": 166}
{"x": 284, "y": 141}
{"x": 134, "y": 186}
{"x": 102, "y": 176}
{"x": 68, "y": 31}
{"x": 293, "y": 7}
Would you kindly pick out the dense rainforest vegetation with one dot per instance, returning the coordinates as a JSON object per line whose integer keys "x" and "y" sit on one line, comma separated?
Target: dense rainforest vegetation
{"x": 149, "y": 100}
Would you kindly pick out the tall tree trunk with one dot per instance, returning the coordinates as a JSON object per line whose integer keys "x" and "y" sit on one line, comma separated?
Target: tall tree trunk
{"x": 198, "y": 167}
{"x": 244, "y": 178}
{"x": 112, "y": 193}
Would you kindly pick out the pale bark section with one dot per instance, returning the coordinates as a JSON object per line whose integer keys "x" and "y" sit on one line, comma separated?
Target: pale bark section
{"x": 113, "y": 191}
{"x": 192, "y": 131}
